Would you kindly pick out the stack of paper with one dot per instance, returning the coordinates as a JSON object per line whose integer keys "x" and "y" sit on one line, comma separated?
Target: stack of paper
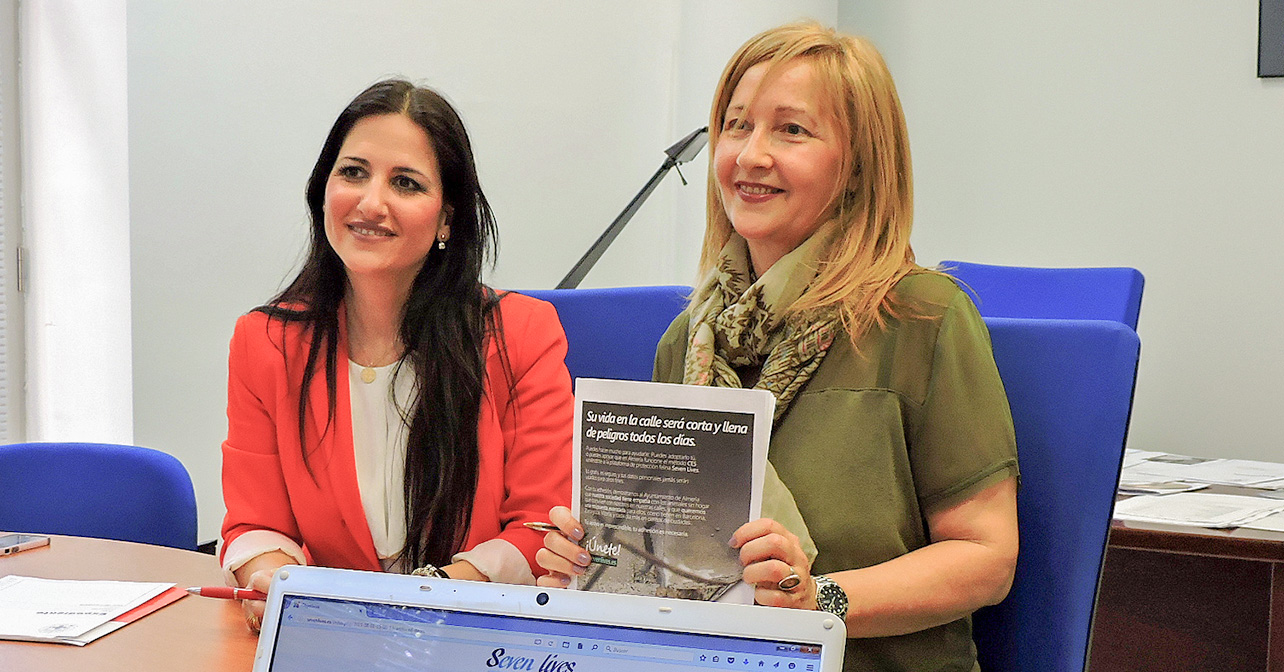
{"x": 75, "y": 612}
{"x": 1158, "y": 487}
{"x": 1147, "y": 472}
{"x": 1197, "y": 508}
{"x": 1159, "y": 473}
{"x": 1237, "y": 472}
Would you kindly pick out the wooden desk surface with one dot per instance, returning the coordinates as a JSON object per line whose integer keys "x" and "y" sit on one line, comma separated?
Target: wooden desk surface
{"x": 1236, "y": 543}
{"x": 192, "y": 635}
{"x": 1179, "y": 597}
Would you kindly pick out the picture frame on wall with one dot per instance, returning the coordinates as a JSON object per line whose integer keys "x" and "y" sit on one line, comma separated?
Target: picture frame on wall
{"x": 1270, "y": 38}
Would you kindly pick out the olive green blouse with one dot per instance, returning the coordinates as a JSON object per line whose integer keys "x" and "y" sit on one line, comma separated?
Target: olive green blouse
{"x": 913, "y": 418}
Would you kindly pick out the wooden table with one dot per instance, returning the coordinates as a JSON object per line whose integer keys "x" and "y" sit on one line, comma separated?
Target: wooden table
{"x": 1176, "y": 597}
{"x": 192, "y": 635}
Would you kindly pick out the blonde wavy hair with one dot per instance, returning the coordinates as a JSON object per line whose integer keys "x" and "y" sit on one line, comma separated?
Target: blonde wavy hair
{"x": 873, "y": 192}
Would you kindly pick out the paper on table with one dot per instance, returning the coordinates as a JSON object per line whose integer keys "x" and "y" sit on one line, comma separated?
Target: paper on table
{"x": 1160, "y": 469}
{"x": 1146, "y": 467}
{"x": 64, "y": 611}
{"x": 1273, "y": 523}
{"x": 1158, "y": 488}
{"x": 1197, "y": 508}
{"x": 1133, "y": 456}
{"x": 1235, "y": 472}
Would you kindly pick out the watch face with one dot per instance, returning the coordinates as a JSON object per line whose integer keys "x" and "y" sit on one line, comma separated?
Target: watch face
{"x": 831, "y": 597}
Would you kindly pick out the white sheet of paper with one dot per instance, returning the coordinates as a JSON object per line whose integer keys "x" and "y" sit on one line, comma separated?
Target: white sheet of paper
{"x": 50, "y": 610}
{"x": 1273, "y": 522}
{"x": 1133, "y": 456}
{"x": 1148, "y": 471}
{"x": 1158, "y": 488}
{"x": 1197, "y": 508}
{"x": 1235, "y": 472}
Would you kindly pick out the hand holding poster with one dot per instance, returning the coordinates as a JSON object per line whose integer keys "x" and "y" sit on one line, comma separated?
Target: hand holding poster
{"x": 663, "y": 474}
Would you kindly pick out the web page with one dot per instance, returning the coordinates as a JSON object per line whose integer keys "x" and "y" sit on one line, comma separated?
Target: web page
{"x": 341, "y": 635}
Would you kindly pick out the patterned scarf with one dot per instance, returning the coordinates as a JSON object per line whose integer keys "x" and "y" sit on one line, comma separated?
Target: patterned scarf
{"x": 739, "y": 322}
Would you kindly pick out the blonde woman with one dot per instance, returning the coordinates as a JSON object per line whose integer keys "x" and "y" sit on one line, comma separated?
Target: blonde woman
{"x": 892, "y": 432}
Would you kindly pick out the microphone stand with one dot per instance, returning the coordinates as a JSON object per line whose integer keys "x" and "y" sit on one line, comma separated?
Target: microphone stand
{"x": 681, "y": 152}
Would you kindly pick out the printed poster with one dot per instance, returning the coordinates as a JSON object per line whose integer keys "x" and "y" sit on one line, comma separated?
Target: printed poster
{"x": 663, "y": 474}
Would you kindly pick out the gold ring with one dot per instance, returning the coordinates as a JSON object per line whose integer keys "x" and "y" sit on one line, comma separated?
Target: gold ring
{"x": 790, "y": 583}
{"x": 256, "y": 623}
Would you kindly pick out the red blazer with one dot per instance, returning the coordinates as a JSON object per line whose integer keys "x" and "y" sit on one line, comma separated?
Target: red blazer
{"x": 525, "y": 441}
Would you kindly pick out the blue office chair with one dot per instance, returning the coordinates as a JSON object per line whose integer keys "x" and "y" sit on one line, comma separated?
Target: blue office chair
{"x": 1057, "y": 293}
{"x": 1070, "y": 385}
{"x": 612, "y": 333}
{"x": 97, "y": 490}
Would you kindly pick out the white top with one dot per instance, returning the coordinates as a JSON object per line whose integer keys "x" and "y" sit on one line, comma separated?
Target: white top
{"x": 379, "y": 446}
{"x": 379, "y": 443}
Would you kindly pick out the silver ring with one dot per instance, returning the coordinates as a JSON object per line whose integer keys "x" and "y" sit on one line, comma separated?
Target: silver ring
{"x": 790, "y": 583}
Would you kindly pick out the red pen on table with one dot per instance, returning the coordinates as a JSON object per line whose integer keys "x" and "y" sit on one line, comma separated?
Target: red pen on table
{"x": 227, "y": 593}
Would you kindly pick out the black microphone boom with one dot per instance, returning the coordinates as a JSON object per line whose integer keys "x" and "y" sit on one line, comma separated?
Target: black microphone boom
{"x": 681, "y": 152}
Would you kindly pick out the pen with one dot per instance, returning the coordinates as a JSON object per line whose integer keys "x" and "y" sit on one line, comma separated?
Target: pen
{"x": 226, "y": 593}
{"x": 542, "y": 527}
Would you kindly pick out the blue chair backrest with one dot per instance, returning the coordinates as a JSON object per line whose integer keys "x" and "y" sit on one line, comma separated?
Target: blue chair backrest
{"x": 97, "y": 490}
{"x": 1070, "y": 385}
{"x": 612, "y": 332}
{"x": 1054, "y": 293}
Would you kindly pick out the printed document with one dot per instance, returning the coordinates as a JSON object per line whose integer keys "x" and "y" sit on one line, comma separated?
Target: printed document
{"x": 69, "y": 612}
{"x": 1143, "y": 467}
{"x": 662, "y": 475}
{"x": 1197, "y": 508}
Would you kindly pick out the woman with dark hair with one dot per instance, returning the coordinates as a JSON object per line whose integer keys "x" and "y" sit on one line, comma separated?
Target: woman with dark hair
{"x": 388, "y": 411}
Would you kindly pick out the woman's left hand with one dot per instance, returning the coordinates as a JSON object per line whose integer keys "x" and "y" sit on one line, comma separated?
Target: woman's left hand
{"x": 562, "y": 555}
{"x": 773, "y": 561}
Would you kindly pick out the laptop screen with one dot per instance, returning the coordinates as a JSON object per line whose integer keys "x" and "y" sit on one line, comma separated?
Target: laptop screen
{"x": 314, "y": 633}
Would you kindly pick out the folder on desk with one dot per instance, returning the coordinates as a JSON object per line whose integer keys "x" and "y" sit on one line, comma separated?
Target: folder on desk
{"x": 75, "y": 612}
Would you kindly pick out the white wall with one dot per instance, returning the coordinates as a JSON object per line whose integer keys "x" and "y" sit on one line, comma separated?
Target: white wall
{"x": 570, "y": 106}
{"x": 1132, "y": 134}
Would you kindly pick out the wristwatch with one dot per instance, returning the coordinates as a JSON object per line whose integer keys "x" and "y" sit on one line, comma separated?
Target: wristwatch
{"x": 830, "y": 597}
{"x": 436, "y": 572}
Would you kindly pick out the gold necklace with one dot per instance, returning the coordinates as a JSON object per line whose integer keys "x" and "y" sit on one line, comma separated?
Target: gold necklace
{"x": 368, "y": 372}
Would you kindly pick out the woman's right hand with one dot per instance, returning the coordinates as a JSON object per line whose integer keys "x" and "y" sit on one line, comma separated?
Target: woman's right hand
{"x": 562, "y": 556}
{"x": 256, "y": 574}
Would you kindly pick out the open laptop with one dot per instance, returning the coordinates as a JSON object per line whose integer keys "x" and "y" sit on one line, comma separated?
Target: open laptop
{"x": 341, "y": 620}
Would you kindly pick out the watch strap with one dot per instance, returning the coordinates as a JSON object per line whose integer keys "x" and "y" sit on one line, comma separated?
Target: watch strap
{"x": 830, "y": 596}
{"x": 431, "y": 570}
